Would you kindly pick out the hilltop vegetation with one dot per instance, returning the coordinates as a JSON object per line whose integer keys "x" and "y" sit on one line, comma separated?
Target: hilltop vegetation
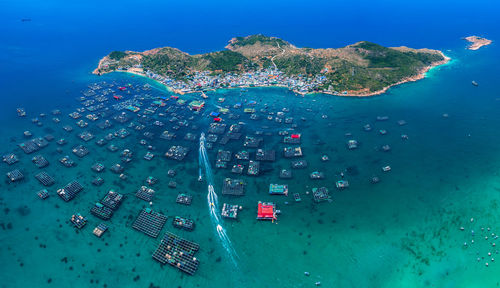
{"x": 362, "y": 66}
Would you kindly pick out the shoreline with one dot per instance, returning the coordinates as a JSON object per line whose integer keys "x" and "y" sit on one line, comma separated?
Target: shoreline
{"x": 420, "y": 75}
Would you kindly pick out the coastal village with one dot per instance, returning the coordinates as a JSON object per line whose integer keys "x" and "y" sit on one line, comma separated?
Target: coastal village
{"x": 206, "y": 81}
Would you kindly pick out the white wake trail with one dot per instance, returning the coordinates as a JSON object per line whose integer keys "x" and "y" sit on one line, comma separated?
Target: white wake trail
{"x": 213, "y": 203}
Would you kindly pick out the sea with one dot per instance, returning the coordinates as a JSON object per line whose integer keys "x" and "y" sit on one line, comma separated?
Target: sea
{"x": 431, "y": 221}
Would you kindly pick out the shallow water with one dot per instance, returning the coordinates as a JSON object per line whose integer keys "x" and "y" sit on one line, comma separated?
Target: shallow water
{"x": 402, "y": 232}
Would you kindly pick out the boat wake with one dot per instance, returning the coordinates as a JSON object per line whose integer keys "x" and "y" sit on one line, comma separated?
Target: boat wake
{"x": 213, "y": 203}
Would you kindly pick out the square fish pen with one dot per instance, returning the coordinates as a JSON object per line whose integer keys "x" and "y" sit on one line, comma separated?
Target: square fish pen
{"x": 178, "y": 253}
{"x": 233, "y": 187}
{"x": 78, "y": 220}
{"x": 177, "y": 153}
{"x": 40, "y": 161}
{"x": 183, "y": 223}
{"x": 70, "y": 191}
{"x": 80, "y": 151}
{"x": 67, "y": 162}
{"x": 145, "y": 193}
{"x": 101, "y": 211}
{"x": 265, "y": 155}
{"x": 112, "y": 200}
{"x": 230, "y": 211}
{"x": 43, "y": 194}
{"x": 10, "y": 158}
{"x": 98, "y": 181}
{"x": 45, "y": 178}
{"x": 253, "y": 168}
{"x": 149, "y": 222}
{"x": 15, "y": 175}
{"x": 100, "y": 229}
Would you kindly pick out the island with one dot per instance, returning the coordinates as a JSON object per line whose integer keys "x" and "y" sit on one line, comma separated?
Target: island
{"x": 360, "y": 69}
{"x": 477, "y": 42}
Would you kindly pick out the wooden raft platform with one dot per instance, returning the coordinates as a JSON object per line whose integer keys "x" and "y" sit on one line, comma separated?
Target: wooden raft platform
{"x": 177, "y": 252}
{"x": 150, "y": 222}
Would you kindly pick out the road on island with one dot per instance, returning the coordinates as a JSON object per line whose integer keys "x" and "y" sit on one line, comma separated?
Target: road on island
{"x": 272, "y": 58}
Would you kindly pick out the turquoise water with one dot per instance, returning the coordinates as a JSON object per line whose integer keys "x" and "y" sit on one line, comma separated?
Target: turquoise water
{"x": 403, "y": 231}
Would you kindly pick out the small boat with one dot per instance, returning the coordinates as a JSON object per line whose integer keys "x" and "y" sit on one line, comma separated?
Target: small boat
{"x": 200, "y": 178}
{"x": 474, "y": 83}
{"x": 386, "y": 168}
{"x": 203, "y": 95}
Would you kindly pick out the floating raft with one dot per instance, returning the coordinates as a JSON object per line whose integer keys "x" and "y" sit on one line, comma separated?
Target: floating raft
{"x": 177, "y": 153}
{"x": 98, "y": 167}
{"x": 292, "y": 139}
{"x": 33, "y": 145}
{"x": 299, "y": 164}
{"x": 320, "y": 194}
{"x": 252, "y": 142}
{"x": 10, "y": 158}
{"x": 67, "y": 162}
{"x": 100, "y": 229}
{"x": 285, "y": 174}
{"x": 80, "y": 151}
{"x": 224, "y": 155}
{"x": 290, "y": 152}
{"x": 45, "y": 178}
{"x": 217, "y": 128}
{"x": 277, "y": 189}
{"x": 117, "y": 168}
{"x": 266, "y": 211}
{"x": 70, "y": 191}
{"x": 78, "y": 220}
{"x": 184, "y": 199}
{"x": 234, "y": 187}
{"x": 145, "y": 193}
{"x": 112, "y": 199}
{"x": 183, "y": 223}
{"x": 263, "y": 155}
{"x": 43, "y": 194}
{"x": 230, "y": 211}
{"x": 150, "y": 222}
{"x": 101, "y": 211}
{"x": 98, "y": 181}
{"x": 177, "y": 252}
{"x": 15, "y": 175}
{"x": 253, "y": 168}
{"x": 242, "y": 155}
{"x": 40, "y": 161}
{"x": 341, "y": 184}
{"x": 237, "y": 169}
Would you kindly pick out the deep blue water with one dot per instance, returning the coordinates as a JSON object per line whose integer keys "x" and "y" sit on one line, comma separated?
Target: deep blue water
{"x": 403, "y": 232}
{"x": 65, "y": 40}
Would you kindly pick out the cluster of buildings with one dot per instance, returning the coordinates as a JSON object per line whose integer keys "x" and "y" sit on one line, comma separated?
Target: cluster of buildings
{"x": 206, "y": 80}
